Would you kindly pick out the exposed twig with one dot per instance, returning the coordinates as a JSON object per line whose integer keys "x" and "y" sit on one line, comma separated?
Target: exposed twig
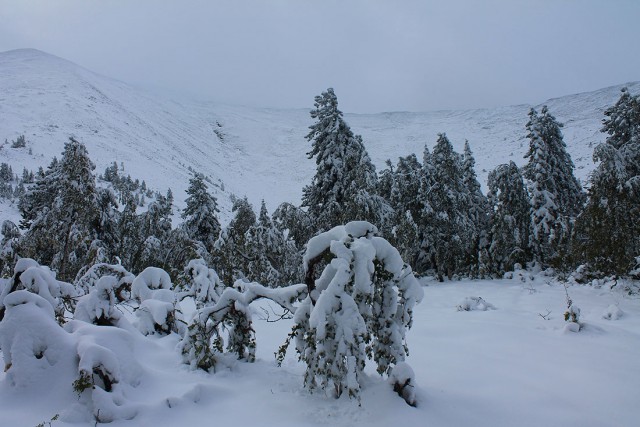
{"x": 545, "y": 316}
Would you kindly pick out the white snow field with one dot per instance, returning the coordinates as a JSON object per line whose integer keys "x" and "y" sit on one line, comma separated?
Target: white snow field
{"x": 503, "y": 367}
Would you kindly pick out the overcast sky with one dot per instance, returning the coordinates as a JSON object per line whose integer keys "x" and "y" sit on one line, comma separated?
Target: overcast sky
{"x": 400, "y": 55}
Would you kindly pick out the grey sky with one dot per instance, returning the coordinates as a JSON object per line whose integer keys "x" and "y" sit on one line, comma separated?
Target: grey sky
{"x": 378, "y": 55}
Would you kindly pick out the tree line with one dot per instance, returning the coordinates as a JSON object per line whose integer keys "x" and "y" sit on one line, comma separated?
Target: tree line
{"x": 431, "y": 209}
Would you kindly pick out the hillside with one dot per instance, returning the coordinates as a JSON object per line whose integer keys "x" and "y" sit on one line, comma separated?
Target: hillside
{"x": 247, "y": 151}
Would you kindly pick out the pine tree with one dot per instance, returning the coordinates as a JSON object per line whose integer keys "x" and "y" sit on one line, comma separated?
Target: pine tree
{"x": 60, "y": 213}
{"x": 155, "y": 229}
{"x": 272, "y": 259}
{"x": 129, "y": 235}
{"x": 449, "y": 199}
{"x": 344, "y": 185}
{"x": 556, "y": 195}
{"x": 230, "y": 255}
{"x": 106, "y": 227}
{"x": 608, "y": 231}
{"x": 200, "y": 215}
{"x": 295, "y": 223}
{"x": 509, "y": 221}
{"x": 476, "y": 210}
{"x": 402, "y": 187}
{"x": 427, "y": 218}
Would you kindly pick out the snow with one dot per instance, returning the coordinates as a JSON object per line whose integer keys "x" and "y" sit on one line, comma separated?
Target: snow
{"x": 513, "y": 366}
{"x": 612, "y": 312}
{"x": 474, "y": 303}
{"x": 503, "y": 367}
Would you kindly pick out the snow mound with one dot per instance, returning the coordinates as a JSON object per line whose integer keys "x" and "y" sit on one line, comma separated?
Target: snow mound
{"x": 613, "y": 312}
{"x": 474, "y": 304}
{"x": 403, "y": 380}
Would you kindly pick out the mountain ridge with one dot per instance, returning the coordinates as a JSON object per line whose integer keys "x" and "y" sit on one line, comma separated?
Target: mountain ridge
{"x": 258, "y": 152}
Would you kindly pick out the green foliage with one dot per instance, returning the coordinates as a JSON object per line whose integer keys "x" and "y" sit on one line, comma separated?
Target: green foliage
{"x": 20, "y": 142}
{"x": 607, "y": 233}
{"x": 345, "y": 184}
{"x": 556, "y": 195}
{"x": 509, "y": 221}
{"x": 83, "y": 382}
{"x": 48, "y": 423}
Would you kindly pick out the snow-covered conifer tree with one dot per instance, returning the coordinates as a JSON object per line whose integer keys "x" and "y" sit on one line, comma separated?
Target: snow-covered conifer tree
{"x": 404, "y": 196}
{"x": 477, "y": 211}
{"x": 510, "y": 220}
{"x": 8, "y": 257}
{"x": 607, "y": 233}
{"x": 449, "y": 200}
{"x": 60, "y": 213}
{"x": 272, "y": 259}
{"x": 556, "y": 195}
{"x": 294, "y": 222}
{"x": 230, "y": 253}
{"x": 427, "y": 223}
{"x": 344, "y": 186}
{"x": 200, "y": 214}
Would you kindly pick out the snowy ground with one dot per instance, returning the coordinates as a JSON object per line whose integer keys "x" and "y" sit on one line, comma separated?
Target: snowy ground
{"x": 502, "y": 367}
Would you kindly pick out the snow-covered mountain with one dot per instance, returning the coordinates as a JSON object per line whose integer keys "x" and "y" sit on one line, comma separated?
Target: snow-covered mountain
{"x": 260, "y": 153}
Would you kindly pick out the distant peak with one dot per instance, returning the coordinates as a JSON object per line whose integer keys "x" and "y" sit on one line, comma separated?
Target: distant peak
{"x": 27, "y": 51}
{"x": 29, "y": 54}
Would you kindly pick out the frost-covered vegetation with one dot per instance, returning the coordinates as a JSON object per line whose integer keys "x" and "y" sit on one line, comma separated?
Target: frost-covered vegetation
{"x": 96, "y": 263}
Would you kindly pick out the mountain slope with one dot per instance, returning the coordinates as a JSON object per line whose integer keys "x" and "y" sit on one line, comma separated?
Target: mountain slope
{"x": 257, "y": 152}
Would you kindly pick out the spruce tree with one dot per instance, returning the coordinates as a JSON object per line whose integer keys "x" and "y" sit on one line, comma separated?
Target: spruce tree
{"x": 200, "y": 215}
{"x": 509, "y": 220}
{"x": 60, "y": 213}
{"x": 272, "y": 258}
{"x": 608, "y": 231}
{"x": 230, "y": 253}
{"x": 448, "y": 200}
{"x": 476, "y": 210}
{"x": 344, "y": 186}
{"x": 427, "y": 218}
{"x": 403, "y": 190}
{"x": 295, "y": 223}
{"x": 556, "y": 195}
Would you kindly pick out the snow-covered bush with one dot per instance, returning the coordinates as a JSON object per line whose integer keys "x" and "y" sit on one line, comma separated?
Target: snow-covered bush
{"x": 358, "y": 309}
{"x": 204, "y": 285}
{"x": 203, "y": 339}
{"x": 474, "y": 304}
{"x": 106, "y": 286}
{"x": 99, "y": 305}
{"x": 34, "y": 347}
{"x": 98, "y": 362}
{"x": 107, "y": 370}
{"x": 158, "y": 311}
{"x": 95, "y": 272}
{"x": 31, "y": 276}
{"x": 572, "y": 315}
